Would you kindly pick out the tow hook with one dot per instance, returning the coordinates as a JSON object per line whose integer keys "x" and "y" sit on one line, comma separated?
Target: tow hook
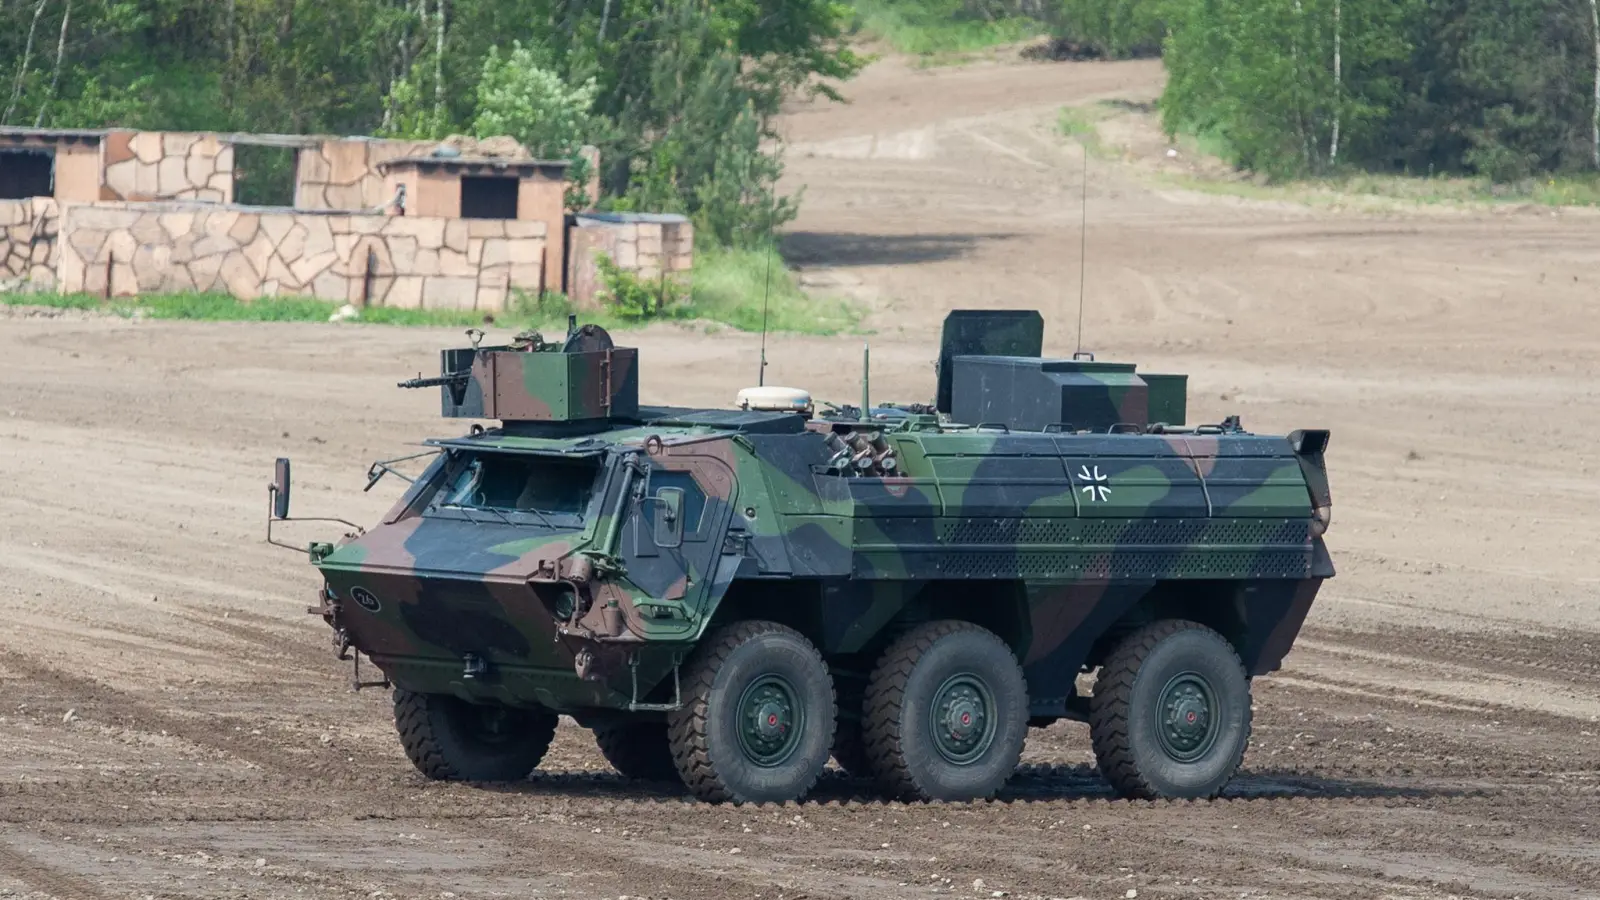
{"x": 474, "y": 667}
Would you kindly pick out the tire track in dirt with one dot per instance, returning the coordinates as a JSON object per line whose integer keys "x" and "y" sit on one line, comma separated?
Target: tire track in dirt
{"x": 219, "y": 733}
{"x": 1578, "y": 652}
{"x": 58, "y": 884}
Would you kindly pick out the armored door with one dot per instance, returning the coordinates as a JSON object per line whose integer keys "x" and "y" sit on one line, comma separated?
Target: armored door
{"x": 679, "y": 525}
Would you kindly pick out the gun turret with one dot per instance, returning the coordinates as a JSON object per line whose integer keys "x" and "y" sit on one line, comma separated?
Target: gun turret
{"x": 586, "y": 379}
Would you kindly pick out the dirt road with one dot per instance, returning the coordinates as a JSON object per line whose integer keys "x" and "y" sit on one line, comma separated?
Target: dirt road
{"x": 173, "y": 725}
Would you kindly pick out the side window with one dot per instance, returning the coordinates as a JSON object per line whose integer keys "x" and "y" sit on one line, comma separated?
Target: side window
{"x": 694, "y": 499}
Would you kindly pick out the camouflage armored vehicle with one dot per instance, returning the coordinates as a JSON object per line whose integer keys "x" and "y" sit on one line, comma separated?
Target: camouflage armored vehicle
{"x": 730, "y": 596}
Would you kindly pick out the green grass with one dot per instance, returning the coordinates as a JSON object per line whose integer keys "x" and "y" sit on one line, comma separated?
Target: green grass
{"x": 938, "y": 30}
{"x": 1079, "y": 124}
{"x": 1379, "y": 189}
{"x": 1370, "y": 189}
{"x": 225, "y": 308}
{"x": 728, "y": 290}
{"x": 731, "y": 286}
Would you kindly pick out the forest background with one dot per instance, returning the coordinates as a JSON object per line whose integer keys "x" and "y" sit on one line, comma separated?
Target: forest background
{"x": 680, "y": 95}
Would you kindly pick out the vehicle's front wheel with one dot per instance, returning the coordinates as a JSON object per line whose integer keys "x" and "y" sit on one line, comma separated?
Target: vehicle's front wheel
{"x": 450, "y": 739}
{"x": 1170, "y": 715}
{"x": 757, "y": 719}
{"x": 637, "y": 750}
{"x": 946, "y": 713}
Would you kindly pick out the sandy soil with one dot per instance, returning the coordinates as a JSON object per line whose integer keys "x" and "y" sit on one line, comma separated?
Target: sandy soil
{"x": 173, "y": 725}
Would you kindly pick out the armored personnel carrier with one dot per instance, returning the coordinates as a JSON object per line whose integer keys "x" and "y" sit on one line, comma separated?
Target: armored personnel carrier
{"x": 731, "y": 596}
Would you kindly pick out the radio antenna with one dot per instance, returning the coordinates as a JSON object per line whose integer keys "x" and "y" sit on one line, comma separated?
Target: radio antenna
{"x": 1083, "y": 245}
{"x": 766, "y": 293}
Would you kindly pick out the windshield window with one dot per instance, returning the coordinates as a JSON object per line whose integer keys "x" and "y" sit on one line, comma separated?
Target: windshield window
{"x": 557, "y": 487}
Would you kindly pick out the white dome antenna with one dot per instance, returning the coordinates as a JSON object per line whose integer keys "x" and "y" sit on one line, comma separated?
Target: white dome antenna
{"x": 774, "y": 399}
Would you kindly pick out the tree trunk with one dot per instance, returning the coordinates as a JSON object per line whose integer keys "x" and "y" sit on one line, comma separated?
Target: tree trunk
{"x": 55, "y": 76}
{"x": 438, "y": 67}
{"x": 22, "y": 69}
{"x": 1594, "y": 18}
{"x": 1338, "y": 84}
{"x": 1305, "y": 126}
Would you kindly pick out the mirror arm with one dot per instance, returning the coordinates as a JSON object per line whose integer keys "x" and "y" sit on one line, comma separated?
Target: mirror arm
{"x": 272, "y": 492}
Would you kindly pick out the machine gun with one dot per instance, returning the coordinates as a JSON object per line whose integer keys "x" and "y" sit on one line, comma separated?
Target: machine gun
{"x": 456, "y": 382}
{"x": 449, "y": 379}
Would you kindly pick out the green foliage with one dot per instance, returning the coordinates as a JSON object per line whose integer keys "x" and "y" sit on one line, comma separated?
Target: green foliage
{"x": 525, "y": 312}
{"x": 729, "y": 287}
{"x": 1078, "y": 123}
{"x": 627, "y": 295}
{"x": 411, "y": 115}
{"x": 1501, "y": 88}
{"x": 520, "y": 96}
{"x": 1113, "y": 28}
{"x": 1381, "y": 192}
{"x": 947, "y": 28}
{"x": 739, "y": 286}
{"x": 659, "y": 85}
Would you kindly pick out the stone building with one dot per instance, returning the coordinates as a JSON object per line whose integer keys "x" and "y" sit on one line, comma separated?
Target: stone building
{"x": 371, "y": 221}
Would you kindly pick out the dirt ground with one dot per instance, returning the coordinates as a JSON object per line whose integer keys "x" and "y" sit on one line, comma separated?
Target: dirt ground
{"x": 173, "y": 725}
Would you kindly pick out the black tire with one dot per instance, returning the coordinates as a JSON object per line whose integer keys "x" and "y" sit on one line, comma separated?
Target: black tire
{"x": 638, "y": 750}
{"x": 449, "y": 739}
{"x": 1188, "y": 676}
{"x": 946, "y": 713}
{"x": 777, "y": 679}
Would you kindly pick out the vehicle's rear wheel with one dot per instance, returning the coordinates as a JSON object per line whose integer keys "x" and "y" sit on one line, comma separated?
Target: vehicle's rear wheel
{"x": 757, "y": 719}
{"x": 637, "y": 750}
{"x": 450, "y": 739}
{"x": 946, "y": 713}
{"x": 1170, "y": 715}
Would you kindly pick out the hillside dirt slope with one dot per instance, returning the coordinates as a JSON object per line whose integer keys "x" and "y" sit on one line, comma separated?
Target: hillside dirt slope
{"x": 173, "y": 725}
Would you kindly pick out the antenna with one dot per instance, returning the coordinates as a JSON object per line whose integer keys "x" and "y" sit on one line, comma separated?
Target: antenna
{"x": 766, "y": 293}
{"x": 1083, "y": 246}
{"x": 866, "y": 370}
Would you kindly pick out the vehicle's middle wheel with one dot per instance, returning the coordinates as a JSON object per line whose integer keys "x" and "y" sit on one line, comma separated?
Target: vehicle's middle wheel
{"x": 757, "y": 719}
{"x": 637, "y": 750}
{"x": 946, "y": 713}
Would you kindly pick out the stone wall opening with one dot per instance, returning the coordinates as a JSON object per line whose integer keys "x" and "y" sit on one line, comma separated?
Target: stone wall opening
{"x": 489, "y": 196}
{"x": 264, "y": 175}
{"x": 27, "y": 173}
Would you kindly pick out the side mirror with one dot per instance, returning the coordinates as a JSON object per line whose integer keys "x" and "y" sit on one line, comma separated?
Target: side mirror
{"x": 668, "y": 519}
{"x": 280, "y": 489}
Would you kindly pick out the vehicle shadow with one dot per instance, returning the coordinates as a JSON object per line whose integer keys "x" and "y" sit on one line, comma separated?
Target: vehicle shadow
{"x": 1031, "y": 784}
{"x": 842, "y": 248}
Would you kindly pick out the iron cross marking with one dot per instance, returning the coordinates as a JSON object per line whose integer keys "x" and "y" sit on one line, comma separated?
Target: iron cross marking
{"x": 1096, "y": 488}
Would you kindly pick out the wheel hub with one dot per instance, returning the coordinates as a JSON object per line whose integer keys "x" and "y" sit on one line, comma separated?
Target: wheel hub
{"x": 770, "y": 721}
{"x": 1188, "y": 711}
{"x": 962, "y": 719}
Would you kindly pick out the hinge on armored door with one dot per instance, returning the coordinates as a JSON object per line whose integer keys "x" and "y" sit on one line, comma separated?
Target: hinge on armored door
{"x": 736, "y": 543}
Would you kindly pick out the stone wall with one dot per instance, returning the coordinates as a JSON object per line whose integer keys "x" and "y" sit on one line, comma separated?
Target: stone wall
{"x": 651, "y": 247}
{"x": 28, "y": 243}
{"x": 250, "y": 252}
{"x": 166, "y": 165}
{"x": 343, "y": 173}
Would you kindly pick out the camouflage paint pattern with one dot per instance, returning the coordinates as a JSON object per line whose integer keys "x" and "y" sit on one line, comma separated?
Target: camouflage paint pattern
{"x": 538, "y": 383}
{"x": 1055, "y": 540}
